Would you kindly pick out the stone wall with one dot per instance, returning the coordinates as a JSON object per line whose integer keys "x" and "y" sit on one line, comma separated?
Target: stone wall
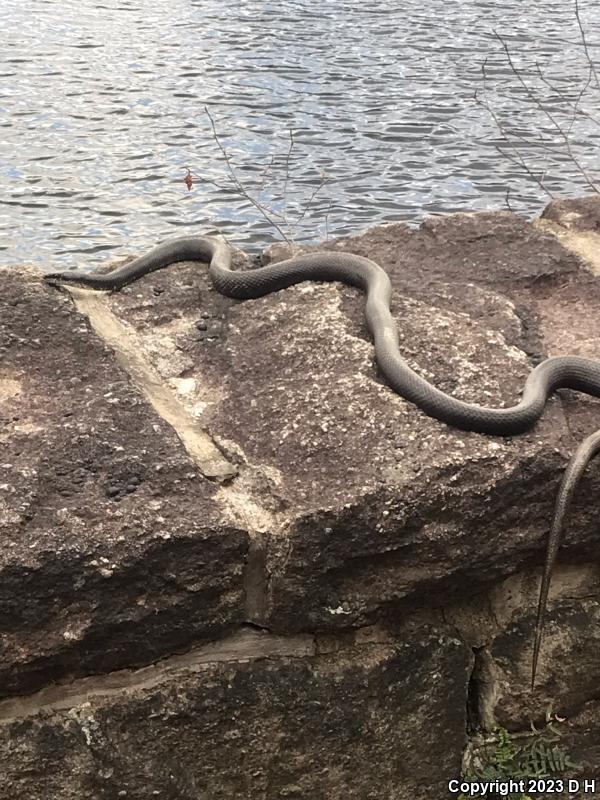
{"x": 236, "y": 565}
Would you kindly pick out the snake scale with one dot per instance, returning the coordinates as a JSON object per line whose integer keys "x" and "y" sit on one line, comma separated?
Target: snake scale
{"x": 570, "y": 372}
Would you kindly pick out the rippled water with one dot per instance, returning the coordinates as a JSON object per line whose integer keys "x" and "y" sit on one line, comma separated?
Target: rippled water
{"x": 102, "y": 109}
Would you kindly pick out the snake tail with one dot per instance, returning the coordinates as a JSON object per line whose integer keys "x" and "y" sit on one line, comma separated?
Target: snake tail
{"x": 586, "y": 451}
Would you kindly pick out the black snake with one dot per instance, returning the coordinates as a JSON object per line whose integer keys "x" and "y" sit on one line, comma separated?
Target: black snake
{"x": 589, "y": 448}
{"x": 569, "y": 372}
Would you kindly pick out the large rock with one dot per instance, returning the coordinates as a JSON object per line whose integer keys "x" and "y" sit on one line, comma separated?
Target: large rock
{"x": 230, "y": 463}
{"x": 114, "y": 551}
{"x": 312, "y": 723}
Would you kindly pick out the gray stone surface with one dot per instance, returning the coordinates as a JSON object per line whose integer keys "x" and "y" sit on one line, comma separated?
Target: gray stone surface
{"x": 378, "y": 720}
{"x": 225, "y": 466}
{"x": 113, "y": 551}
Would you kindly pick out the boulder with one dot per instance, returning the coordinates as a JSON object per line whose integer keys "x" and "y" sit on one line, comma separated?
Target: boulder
{"x": 236, "y": 564}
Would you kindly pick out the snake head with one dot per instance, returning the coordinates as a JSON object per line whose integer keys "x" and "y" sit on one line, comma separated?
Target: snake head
{"x": 56, "y": 278}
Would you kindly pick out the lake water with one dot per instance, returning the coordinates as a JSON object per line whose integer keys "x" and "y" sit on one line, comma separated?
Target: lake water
{"x": 102, "y": 110}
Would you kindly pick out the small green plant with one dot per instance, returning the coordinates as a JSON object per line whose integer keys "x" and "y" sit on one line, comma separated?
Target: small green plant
{"x": 520, "y": 758}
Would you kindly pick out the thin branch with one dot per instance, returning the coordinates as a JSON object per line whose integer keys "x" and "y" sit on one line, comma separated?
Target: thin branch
{"x": 312, "y": 197}
{"x": 265, "y": 174}
{"x": 327, "y": 219}
{"x": 224, "y": 188}
{"x": 240, "y": 187}
{"x": 577, "y": 111}
{"x": 520, "y": 162}
{"x": 287, "y": 168}
{"x": 502, "y": 130}
{"x": 516, "y": 159}
{"x": 585, "y": 45}
{"x": 505, "y": 135}
{"x": 285, "y": 184}
{"x": 536, "y": 101}
{"x": 276, "y": 219}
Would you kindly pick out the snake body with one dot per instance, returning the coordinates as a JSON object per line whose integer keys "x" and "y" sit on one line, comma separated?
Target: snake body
{"x": 570, "y": 372}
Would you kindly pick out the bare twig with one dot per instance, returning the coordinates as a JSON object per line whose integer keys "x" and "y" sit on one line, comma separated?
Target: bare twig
{"x": 287, "y": 168}
{"x": 503, "y": 131}
{"x": 520, "y": 162}
{"x": 286, "y": 165}
{"x": 327, "y": 219}
{"x": 277, "y": 219}
{"x": 268, "y": 215}
{"x": 561, "y": 107}
{"x": 539, "y": 105}
{"x": 575, "y": 104}
{"x": 515, "y": 157}
{"x": 265, "y": 174}
{"x": 507, "y": 200}
{"x": 585, "y": 45}
{"x": 312, "y": 197}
